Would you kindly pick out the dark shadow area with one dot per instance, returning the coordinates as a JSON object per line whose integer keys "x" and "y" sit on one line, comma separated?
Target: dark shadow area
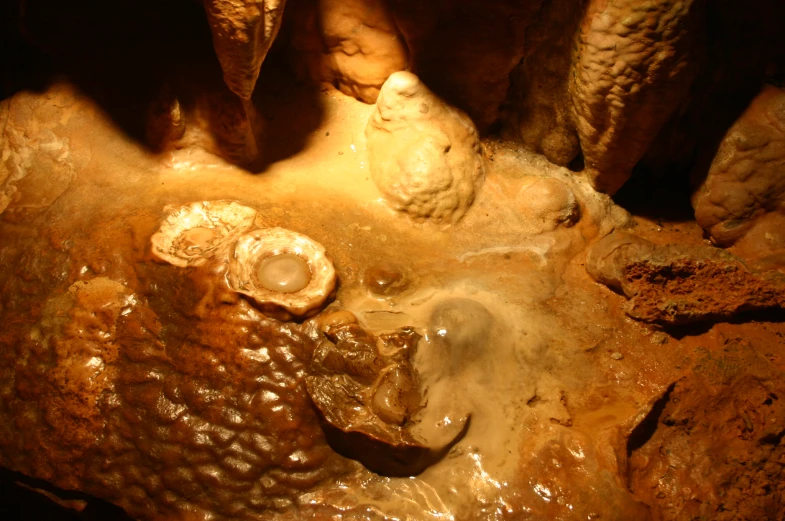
{"x": 120, "y": 54}
{"x": 21, "y": 503}
{"x": 128, "y": 56}
{"x": 743, "y": 46}
{"x": 775, "y": 316}
{"x": 22, "y": 66}
{"x": 401, "y": 461}
{"x": 662, "y": 192}
{"x": 288, "y": 100}
{"x": 577, "y": 164}
{"x": 643, "y": 432}
{"x": 291, "y": 109}
{"x": 647, "y": 194}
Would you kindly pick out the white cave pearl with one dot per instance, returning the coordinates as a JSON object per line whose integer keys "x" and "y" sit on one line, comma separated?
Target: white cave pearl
{"x": 285, "y": 273}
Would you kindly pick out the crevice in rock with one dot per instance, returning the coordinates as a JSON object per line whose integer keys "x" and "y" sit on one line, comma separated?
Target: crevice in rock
{"x": 22, "y": 498}
{"x": 650, "y": 195}
{"x": 644, "y": 431}
{"x": 772, "y": 439}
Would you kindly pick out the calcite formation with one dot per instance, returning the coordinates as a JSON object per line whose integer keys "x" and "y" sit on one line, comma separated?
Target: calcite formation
{"x": 424, "y": 155}
{"x": 194, "y": 234}
{"x": 634, "y": 64}
{"x": 297, "y": 288}
{"x": 353, "y": 45}
{"x": 285, "y": 274}
{"x": 372, "y": 260}
{"x": 243, "y": 31}
{"x": 745, "y": 186}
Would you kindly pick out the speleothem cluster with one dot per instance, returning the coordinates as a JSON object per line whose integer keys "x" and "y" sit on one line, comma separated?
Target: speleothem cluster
{"x": 475, "y": 169}
{"x": 286, "y": 274}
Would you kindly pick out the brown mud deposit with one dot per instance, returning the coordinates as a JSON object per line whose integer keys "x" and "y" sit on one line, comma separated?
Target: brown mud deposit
{"x": 280, "y": 302}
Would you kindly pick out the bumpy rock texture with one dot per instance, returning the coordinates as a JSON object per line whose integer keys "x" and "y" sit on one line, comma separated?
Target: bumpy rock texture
{"x": 21, "y": 169}
{"x": 424, "y": 155}
{"x": 368, "y": 393}
{"x": 635, "y": 62}
{"x": 353, "y": 45}
{"x": 745, "y": 185}
{"x": 243, "y": 31}
{"x": 678, "y": 284}
{"x": 718, "y": 434}
{"x": 130, "y": 399}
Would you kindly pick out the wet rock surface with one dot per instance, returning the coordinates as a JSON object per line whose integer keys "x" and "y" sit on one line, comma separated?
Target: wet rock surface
{"x": 566, "y": 473}
{"x": 153, "y": 383}
{"x": 130, "y": 399}
{"x": 368, "y": 392}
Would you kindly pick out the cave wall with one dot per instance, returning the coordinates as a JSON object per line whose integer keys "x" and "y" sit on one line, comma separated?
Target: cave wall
{"x": 605, "y": 88}
{"x": 601, "y": 86}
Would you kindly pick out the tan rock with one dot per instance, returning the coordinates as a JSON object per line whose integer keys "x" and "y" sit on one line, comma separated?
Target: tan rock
{"x": 286, "y": 274}
{"x": 608, "y": 257}
{"x": 425, "y": 155}
{"x": 243, "y": 31}
{"x": 634, "y": 64}
{"x": 38, "y": 162}
{"x": 353, "y": 45}
{"x": 547, "y": 203}
{"x": 745, "y": 183}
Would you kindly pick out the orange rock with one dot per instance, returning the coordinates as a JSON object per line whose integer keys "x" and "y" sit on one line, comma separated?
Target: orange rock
{"x": 679, "y": 284}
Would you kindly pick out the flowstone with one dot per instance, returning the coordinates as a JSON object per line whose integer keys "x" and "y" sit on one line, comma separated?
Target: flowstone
{"x": 321, "y": 259}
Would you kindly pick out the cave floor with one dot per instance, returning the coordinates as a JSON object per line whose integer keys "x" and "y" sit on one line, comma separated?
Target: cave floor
{"x": 578, "y": 411}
